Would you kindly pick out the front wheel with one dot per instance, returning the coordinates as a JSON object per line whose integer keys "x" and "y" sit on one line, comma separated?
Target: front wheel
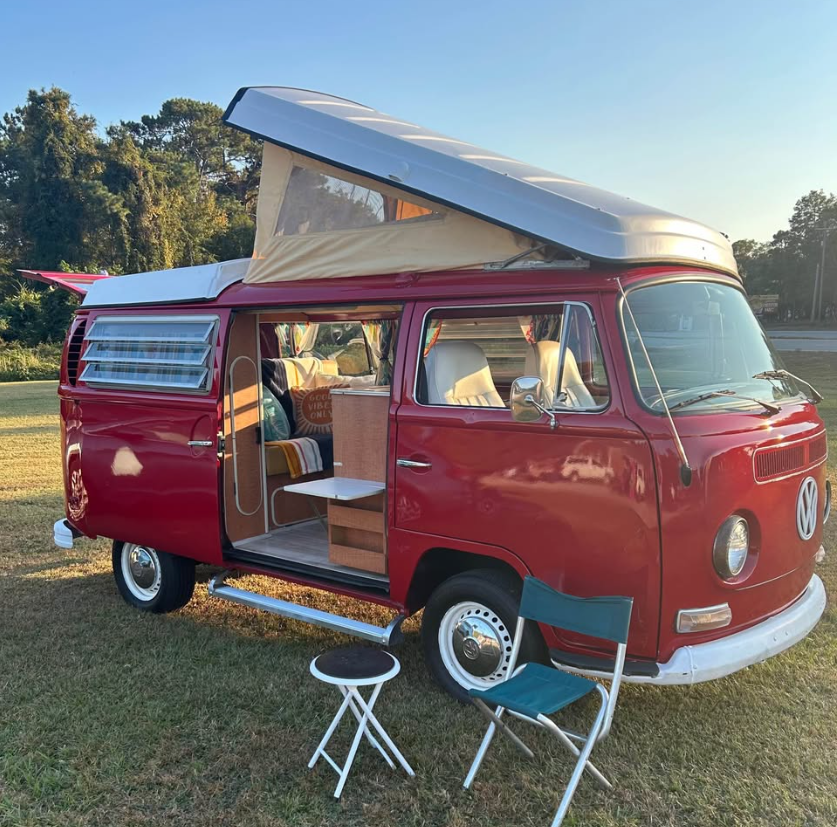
{"x": 468, "y": 628}
{"x": 152, "y": 580}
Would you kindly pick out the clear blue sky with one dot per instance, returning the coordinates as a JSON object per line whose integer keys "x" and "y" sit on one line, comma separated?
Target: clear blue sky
{"x": 721, "y": 111}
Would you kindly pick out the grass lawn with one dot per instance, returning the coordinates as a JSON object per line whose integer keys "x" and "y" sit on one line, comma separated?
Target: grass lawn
{"x": 208, "y": 716}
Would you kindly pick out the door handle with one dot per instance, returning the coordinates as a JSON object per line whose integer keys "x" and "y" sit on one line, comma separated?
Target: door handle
{"x": 200, "y": 443}
{"x": 411, "y": 463}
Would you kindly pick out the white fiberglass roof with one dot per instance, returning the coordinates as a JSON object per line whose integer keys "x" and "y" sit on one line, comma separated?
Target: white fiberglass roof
{"x": 183, "y": 284}
{"x": 543, "y": 205}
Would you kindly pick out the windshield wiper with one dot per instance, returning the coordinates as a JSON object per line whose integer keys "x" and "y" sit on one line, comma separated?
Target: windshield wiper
{"x": 781, "y": 373}
{"x": 770, "y": 408}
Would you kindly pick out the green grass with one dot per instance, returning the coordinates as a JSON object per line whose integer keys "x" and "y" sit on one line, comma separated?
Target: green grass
{"x": 19, "y": 363}
{"x": 208, "y": 716}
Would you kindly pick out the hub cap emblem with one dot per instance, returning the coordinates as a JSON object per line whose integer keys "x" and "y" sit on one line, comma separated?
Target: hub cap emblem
{"x": 806, "y": 508}
{"x": 471, "y": 648}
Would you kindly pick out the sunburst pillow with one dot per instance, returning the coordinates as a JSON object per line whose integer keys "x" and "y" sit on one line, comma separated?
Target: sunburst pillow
{"x": 312, "y": 410}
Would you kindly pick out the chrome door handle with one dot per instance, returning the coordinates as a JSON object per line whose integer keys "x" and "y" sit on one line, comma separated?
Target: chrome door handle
{"x": 200, "y": 443}
{"x": 411, "y": 463}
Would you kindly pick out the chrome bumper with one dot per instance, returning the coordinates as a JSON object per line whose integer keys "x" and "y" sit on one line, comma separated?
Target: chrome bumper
{"x": 717, "y": 658}
{"x": 63, "y": 534}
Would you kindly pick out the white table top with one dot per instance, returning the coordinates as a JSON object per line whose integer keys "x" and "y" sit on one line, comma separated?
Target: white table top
{"x": 337, "y": 488}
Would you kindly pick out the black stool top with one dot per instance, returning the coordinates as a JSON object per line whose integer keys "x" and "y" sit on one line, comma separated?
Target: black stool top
{"x": 355, "y": 662}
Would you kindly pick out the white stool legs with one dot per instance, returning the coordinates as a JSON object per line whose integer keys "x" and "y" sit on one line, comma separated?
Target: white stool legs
{"x": 362, "y": 711}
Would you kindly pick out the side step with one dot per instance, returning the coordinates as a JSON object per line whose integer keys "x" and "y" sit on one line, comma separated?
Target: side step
{"x": 389, "y": 636}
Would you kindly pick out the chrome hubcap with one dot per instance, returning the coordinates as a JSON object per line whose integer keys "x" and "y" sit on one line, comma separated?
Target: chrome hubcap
{"x": 141, "y": 571}
{"x": 475, "y": 645}
{"x": 143, "y": 568}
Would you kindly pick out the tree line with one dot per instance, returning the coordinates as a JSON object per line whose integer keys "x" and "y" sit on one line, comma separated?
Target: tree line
{"x": 179, "y": 188}
{"x": 172, "y": 189}
{"x": 788, "y": 264}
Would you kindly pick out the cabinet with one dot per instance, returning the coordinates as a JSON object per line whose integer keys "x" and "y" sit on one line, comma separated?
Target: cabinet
{"x": 356, "y": 528}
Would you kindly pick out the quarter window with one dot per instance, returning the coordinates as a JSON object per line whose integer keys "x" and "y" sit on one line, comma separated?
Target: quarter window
{"x": 150, "y": 352}
{"x": 471, "y": 357}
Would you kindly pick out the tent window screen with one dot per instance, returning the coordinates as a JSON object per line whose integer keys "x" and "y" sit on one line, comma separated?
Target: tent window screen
{"x": 151, "y": 353}
{"x": 317, "y": 203}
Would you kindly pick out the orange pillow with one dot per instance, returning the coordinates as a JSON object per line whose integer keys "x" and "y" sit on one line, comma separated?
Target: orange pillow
{"x": 312, "y": 410}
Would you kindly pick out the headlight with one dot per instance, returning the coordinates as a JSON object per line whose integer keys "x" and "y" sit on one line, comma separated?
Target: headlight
{"x": 826, "y": 509}
{"x": 732, "y": 543}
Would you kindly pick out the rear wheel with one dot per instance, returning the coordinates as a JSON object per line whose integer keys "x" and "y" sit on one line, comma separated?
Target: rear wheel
{"x": 152, "y": 580}
{"x": 468, "y": 629}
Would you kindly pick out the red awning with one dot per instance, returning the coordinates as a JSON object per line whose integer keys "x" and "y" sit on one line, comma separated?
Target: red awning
{"x": 77, "y": 283}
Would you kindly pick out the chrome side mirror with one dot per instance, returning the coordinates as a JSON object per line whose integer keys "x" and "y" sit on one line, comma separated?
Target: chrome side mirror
{"x": 527, "y": 401}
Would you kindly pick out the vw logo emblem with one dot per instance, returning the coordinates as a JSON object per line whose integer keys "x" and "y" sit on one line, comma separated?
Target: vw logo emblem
{"x": 806, "y": 508}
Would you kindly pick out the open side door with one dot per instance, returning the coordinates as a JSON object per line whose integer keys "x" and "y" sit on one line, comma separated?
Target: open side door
{"x": 77, "y": 283}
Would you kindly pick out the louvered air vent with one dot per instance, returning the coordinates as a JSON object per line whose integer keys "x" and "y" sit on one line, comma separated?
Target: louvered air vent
{"x": 74, "y": 351}
{"x": 817, "y": 448}
{"x": 775, "y": 462}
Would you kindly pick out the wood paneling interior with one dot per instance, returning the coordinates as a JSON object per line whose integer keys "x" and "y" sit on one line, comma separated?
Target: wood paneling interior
{"x": 357, "y": 534}
{"x": 246, "y": 518}
{"x": 360, "y": 435}
{"x": 357, "y": 529}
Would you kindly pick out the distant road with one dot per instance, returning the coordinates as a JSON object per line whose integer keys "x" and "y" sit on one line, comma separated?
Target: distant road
{"x": 822, "y": 341}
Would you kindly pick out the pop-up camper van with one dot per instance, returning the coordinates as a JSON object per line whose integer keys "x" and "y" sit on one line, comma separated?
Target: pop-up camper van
{"x": 442, "y": 370}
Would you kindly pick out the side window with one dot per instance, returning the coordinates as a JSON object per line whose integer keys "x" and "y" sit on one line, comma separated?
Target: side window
{"x": 583, "y": 378}
{"x": 344, "y": 343}
{"x": 315, "y": 203}
{"x": 159, "y": 353}
{"x": 471, "y": 359}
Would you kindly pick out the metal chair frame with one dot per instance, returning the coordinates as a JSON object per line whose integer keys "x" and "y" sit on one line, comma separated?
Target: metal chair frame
{"x": 598, "y": 731}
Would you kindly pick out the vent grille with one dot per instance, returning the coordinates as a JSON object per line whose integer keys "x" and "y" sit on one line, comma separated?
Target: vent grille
{"x": 777, "y": 461}
{"x": 781, "y": 460}
{"x": 817, "y": 448}
{"x": 74, "y": 351}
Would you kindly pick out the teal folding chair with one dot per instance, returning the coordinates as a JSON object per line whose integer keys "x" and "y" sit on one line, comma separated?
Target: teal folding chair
{"x": 533, "y": 691}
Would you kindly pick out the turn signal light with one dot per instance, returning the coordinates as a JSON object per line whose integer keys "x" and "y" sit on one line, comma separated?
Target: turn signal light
{"x": 702, "y": 620}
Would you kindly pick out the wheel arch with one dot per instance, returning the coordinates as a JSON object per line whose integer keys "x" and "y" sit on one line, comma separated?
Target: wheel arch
{"x": 439, "y": 563}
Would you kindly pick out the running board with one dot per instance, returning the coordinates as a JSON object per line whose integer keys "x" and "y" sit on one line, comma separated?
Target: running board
{"x": 389, "y": 636}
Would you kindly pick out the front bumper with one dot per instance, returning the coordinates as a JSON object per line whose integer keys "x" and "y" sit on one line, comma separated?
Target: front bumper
{"x": 63, "y": 533}
{"x": 717, "y": 658}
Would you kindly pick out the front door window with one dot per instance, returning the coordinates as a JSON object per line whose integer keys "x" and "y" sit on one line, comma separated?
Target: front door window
{"x": 471, "y": 357}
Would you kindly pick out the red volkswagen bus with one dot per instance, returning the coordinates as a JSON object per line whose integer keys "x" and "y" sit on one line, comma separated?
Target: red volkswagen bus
{"x": 443, "y": 370}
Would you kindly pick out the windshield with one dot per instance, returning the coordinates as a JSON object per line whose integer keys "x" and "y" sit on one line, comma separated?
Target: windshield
{"x": 701, "y": 337}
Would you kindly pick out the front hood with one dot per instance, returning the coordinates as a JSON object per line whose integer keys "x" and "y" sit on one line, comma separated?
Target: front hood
{"x": 758, "y": 474}
{"x": 744, "y": 464}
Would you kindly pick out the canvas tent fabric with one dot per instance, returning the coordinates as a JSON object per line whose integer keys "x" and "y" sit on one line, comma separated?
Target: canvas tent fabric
{"x": 580, "y": 219}
{"x": 296, "y": 237}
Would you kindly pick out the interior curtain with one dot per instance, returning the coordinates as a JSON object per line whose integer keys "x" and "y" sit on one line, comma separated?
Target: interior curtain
{"x": 268, "y": 341}
{"x": 283, "y": 337}
{"x": 431, "y": 334}
{"x": 304, "y": 336}
{"x": 540, "y": 327}
{"x": 379, "y": 336}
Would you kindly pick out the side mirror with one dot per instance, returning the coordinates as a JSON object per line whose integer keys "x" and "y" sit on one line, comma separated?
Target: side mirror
{"x": 527, "y": 401}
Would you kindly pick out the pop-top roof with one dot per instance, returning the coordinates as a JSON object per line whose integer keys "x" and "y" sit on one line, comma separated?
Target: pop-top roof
{"x": 536, "y": 203}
